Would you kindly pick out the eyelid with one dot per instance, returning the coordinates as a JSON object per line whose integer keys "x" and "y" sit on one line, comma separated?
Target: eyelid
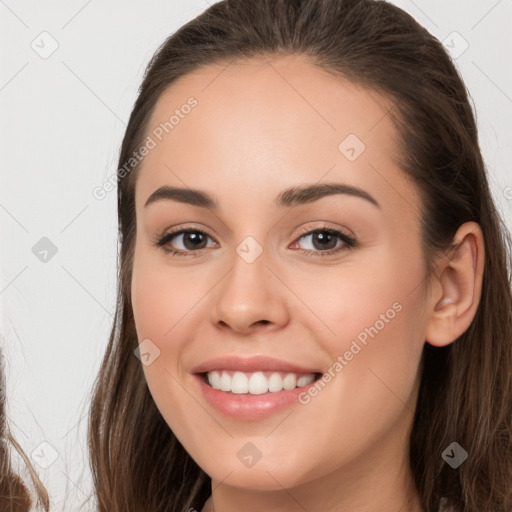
{"x": 326, "y": 226}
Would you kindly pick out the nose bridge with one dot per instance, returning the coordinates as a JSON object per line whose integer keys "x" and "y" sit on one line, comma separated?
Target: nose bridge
{"x": 249, "y": 292}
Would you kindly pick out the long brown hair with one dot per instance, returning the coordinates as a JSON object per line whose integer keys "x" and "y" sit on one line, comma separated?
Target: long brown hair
{"x": 14, "y": 493}
{"x": 466, "y": 387}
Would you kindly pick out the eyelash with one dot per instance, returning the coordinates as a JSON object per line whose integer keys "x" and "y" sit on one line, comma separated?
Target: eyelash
{"x": 161, "y": 242}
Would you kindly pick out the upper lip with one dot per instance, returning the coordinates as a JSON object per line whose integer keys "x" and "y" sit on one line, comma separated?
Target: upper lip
{"x": 251, "y": 364}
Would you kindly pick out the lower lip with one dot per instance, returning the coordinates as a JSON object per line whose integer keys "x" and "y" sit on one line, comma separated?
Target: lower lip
{"x": 250, "y": 407}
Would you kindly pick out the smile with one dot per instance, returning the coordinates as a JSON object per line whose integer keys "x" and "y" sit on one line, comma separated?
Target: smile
{"x": 257, "y": 383}
{"x": 252, "y": 388}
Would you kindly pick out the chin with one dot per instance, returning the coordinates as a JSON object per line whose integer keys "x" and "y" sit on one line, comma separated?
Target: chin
{"x": 266, "y": 476}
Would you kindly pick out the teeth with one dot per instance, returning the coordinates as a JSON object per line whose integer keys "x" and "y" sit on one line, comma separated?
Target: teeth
{"x": 304, "y": 380}
{"x": 239, "y": 383}
{"x": 290, "y": 381}
{"x": 225, "y": 382}
{"x": 275, "y": 383}
{"x": 257, "y": 383}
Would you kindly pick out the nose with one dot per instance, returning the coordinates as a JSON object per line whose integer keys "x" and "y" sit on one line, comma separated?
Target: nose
{"x": 250, "y": 298}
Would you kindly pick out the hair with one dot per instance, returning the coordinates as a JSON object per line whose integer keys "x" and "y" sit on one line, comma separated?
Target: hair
{"x": 465, "y": 392}
{"x": 14, "y": 494}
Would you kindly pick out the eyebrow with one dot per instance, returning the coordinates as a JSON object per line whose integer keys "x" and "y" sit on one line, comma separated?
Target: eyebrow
{"x": 289, "y": 197}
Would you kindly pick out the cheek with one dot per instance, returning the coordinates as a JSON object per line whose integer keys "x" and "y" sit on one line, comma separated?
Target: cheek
{"x": 376, "y": 319}
{"x": 374, "y": 296}
{"x": 162, "y": 302}
{"x": 158, "y": 303}
{"x": 167, "y": 302}
{"x": 162, "y": 297}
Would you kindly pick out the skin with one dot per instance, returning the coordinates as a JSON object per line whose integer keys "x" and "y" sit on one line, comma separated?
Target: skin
{"x": 262, "y": 126}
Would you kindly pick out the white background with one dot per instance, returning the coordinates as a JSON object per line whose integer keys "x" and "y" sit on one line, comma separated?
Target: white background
{"x": 62, "y": 122}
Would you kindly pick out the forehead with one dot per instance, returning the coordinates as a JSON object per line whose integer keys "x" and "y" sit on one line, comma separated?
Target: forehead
{"x": 285, "y": 95}
{"x": 275, "y": 120}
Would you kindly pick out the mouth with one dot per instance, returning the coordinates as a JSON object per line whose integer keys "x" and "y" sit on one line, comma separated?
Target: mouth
{"x": 252, "y": 388}
{"x": 258, "y": 382}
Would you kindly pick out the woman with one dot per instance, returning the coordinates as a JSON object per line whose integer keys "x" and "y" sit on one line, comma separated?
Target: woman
{"x": 14, "y": 495}
{"x": 342, "y": 340}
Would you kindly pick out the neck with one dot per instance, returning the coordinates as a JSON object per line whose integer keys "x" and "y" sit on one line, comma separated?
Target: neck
{"x": 228, "y": 499}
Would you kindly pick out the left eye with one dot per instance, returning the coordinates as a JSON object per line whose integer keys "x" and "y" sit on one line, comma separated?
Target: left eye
{"x": 324, "y": 241}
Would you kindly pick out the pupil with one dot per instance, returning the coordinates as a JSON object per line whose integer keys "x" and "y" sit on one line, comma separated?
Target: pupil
{"x": 196, "y": 239}
{"x": 324, "y": 238}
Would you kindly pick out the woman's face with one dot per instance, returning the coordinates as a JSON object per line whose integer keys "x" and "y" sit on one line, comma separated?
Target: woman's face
{"x": 281, "y": 286}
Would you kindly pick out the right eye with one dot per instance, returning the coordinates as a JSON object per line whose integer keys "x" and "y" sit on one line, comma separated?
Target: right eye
{"x": 192, "y": 241}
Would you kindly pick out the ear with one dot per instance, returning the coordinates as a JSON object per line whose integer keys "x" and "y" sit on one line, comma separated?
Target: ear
{"x": 456, "y": 287}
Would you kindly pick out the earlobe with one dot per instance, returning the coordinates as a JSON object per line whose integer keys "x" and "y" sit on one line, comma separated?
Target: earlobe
{"x": 459, "y": 285}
